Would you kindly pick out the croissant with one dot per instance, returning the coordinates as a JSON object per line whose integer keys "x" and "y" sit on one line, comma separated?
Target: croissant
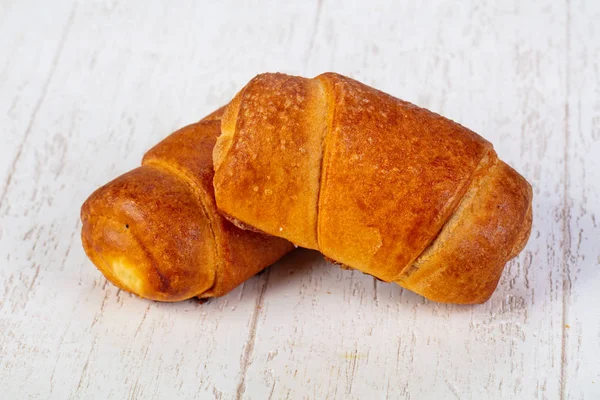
{"x": 155, "y": 230}
{"x": 373, "y": 182}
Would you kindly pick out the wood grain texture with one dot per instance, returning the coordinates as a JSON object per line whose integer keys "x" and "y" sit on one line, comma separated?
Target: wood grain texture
{"x": 87, "y": 87}
{"x": 581, "y": 246}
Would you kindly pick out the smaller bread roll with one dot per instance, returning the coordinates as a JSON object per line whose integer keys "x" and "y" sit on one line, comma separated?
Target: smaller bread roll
{"x": 155, "y": 231}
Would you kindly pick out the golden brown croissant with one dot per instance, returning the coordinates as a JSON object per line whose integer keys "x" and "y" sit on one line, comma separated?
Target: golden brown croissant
{"x": 155, "y": 231}
{"x": 373, "y": 182}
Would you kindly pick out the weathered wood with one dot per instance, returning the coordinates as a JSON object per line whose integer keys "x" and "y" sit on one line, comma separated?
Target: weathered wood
{"x": 26, "y": 66}
{"x": 581, "y": 246}
{"x": 87, "y": 87}
{"x": 502, "y": 72}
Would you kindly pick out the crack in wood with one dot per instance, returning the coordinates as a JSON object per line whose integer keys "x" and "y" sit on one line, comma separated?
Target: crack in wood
{"x": 38, "y": 105}
{"x": 249, "y": 348}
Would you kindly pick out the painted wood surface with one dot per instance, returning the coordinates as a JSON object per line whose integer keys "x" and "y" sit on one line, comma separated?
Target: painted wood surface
{"x": 87, "y": 86}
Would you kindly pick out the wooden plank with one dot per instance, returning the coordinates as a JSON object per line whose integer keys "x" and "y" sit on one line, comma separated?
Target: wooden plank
{"x": 26, "y": 67}
{"x": 85, "y": 90}
{"x": 127, "y": 75}
{"x": 327, "y": 333}
{"x": 581, "y": 337}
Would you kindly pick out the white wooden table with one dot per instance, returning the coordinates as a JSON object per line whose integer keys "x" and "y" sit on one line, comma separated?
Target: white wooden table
{"x": 86, "y": 87}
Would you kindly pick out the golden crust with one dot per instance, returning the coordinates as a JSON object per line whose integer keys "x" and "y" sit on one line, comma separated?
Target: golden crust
{"x": 155, "y": 231}
{"x": 393, "y": 175}
{"x": 126, "y": 235}
{"x": 283, "y": 118}
{"x": 464, "y": 263}
{"x": 386, "y": 177}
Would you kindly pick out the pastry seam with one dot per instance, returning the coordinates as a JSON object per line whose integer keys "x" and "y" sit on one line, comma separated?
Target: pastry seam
{"x": 323, "y": 169}
{"x": 411, "y": 267}
{"x": 190, "y": 182}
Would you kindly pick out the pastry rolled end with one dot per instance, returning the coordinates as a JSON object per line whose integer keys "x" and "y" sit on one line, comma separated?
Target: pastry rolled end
{"x": 491, "y": 226}
{"x": 155, "y": 231}
{"x": 146, "y": 232}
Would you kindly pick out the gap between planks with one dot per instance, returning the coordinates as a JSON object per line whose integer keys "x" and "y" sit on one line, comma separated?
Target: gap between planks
{"x": 566, "y": 212}
{"x": 33, "y": 117}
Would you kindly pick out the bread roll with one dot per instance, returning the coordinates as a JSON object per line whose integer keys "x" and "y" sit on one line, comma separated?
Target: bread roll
{"x": 155, "y": 230}
{"x": 373, "y": 182}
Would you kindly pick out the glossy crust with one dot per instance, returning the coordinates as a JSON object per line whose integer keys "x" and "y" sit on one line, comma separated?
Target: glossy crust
{"x": 155, "y": 231}
{"x": 490, "y": 226}
{"x": 373, "y": 182}
{"x": 279, "y": 126}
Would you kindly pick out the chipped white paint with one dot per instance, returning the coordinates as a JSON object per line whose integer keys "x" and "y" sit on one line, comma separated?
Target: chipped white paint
{"x": 86, "y": 87}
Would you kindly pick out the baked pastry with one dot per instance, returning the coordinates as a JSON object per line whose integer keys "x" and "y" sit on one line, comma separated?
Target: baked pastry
{"x": 155, "y": 230}
{"x": 373, "y": 182}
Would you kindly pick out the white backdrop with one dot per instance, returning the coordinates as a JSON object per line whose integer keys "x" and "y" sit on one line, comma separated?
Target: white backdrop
{"x": 86, "y": 87}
